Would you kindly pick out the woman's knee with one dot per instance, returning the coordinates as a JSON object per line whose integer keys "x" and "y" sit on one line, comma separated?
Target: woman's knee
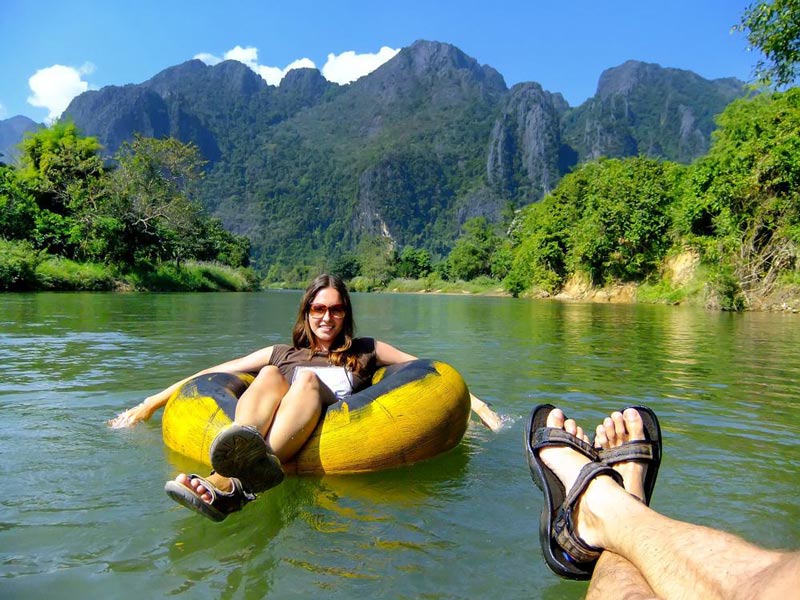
{"x": 269, "y": 376}
{"x": 269, "y": 383}
{"x": 307, "y": 387}
{"x": 306, "y": 381}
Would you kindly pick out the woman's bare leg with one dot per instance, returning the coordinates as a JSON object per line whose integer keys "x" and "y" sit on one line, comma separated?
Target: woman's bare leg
{"x": 298, "y": 414}
{"x": 286, "y": 415}
{"x": 677, "y": 559}
{"x": 257, "y": 406}
{"x": 259, "y": 403}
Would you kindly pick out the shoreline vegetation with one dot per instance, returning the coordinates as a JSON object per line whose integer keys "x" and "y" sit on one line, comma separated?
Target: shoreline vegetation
{"x": 723, "y": 232}
{"x": 684, "y": 282}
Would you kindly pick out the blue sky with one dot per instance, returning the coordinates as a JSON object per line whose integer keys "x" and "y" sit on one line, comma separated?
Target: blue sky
{"x": 53, "y": 49}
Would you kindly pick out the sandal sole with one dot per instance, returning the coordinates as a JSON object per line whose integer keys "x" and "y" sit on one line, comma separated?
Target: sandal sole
{"x": 241, "y": 452}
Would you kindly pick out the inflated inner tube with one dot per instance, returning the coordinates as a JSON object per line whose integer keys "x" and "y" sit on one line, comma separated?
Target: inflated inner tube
{"x": 411, "y": 412}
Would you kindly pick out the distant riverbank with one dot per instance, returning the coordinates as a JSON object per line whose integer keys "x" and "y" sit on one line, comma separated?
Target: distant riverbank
{"x": 687, "y": 288}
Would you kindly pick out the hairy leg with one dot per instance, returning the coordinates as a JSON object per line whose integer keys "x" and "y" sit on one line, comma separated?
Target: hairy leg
{"x": 777, "y": 582}
{"x": 614, "y": 576}
{"x": 677, "y": 559}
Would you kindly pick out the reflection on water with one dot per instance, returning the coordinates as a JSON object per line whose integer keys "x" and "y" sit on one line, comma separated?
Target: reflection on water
{"x": 88, "y": 511}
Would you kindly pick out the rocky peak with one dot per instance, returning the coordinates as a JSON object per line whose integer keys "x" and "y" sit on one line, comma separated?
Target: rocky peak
{"x": 194, "y": 75}
{"x": 434, "y": 68}
{"x": 528, "y": 132}
{"x": 622, "y": 79}
{"x": 643, "y": 108}
{"x": 12, "y": 131}
{"x": 307, "y": 83}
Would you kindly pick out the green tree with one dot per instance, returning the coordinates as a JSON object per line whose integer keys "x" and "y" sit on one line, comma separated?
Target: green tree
{"x": 57, "y": 159}
{"x": 741, "y": 204}
{"x": 622, "y": 234}
{"x": 376, "y": 257}
{"x": 472, "y": 253}
{"x": 414, "y": 263}
{"x": 609, "y": 219}
{"x": 774, "y": 29}
{"x": 65, "y": 173}
{"x": 18, "y": 208}
{"x": 154, "y": 187}
{"x": 345, "y": 265}
{"x": 218, "y": 244}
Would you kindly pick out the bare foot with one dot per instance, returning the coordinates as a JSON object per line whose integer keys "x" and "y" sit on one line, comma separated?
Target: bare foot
{"x": 563, "y": 461}
{"x": 566, "y": 463}
{"x": 613, "y": 432}
{"x": 223, "y": 484}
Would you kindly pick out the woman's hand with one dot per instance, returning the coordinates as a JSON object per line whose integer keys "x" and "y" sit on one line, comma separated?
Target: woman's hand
{"x": 132, "y": 416}
{"x": 487, "y": 416}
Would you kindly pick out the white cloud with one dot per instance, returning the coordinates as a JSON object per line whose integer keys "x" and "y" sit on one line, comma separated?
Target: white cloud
{"x": 343, "y": 68}
{"x": 3, "y": 112}
{"x": 54, "y": 87}
{"x": 207, "y": 58}
{"x": 349, "y": 66}
{"x": 249, "y": 57}
{"x": 273, "y": 75}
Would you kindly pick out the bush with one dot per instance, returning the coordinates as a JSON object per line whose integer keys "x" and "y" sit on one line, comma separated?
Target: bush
{"x": 64, "y": 274}
{"x": 195, "y": 277}
{"x": 18, "y": 262}
{"x": 362, "y": 284}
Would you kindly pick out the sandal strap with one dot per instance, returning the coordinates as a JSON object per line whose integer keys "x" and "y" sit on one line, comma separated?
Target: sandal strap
{"x": 564, "y": 527}
{"x": 637, "y": 450}
{"x": 226, "y": 502}
{"x": 546, "y": 437}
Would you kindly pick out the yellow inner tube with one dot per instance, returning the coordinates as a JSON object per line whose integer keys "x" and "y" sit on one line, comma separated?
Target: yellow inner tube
{"x": 411, "y": 412}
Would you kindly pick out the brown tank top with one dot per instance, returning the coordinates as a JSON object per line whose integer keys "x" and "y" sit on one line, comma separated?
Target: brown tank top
{"x": 287, "y": 358}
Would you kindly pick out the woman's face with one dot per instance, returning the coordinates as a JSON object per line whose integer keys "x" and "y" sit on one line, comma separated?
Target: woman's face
{"x": 326, "y": 316}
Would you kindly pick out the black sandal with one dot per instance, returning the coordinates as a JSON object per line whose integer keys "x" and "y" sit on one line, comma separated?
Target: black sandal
{"x": 222, "y": 503}
{"x": 564, "y": 552}
{"x": 646, "y": 451}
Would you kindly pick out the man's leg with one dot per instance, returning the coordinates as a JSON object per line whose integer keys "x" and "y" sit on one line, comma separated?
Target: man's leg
{"x": 677, "y": 559}
{"x": 614, "y": 576}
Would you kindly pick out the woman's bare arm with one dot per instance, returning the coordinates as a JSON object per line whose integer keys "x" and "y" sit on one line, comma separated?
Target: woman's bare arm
{"x": 389, "y": 355}
{"x": 144, "y": 410}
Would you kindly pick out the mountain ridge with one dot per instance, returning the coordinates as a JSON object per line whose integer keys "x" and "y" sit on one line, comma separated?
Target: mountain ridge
{"x": 310, "y": 168}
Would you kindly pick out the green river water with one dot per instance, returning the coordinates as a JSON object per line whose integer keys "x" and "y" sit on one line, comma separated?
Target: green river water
{"x": 83, "y": 512}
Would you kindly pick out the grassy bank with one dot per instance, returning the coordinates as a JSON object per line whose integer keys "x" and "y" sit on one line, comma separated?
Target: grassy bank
{"x": 24, "y": 269}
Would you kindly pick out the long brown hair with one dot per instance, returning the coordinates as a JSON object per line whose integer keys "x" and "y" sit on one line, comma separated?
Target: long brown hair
{"x": 303, "y": 337}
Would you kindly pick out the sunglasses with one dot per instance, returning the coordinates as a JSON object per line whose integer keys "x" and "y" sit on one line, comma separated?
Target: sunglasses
{"x": 337, "y": 311}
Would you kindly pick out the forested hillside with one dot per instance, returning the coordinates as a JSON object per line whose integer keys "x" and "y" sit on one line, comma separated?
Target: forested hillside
{"x": 429, "y": 171}
{"x": 409, "y": 153}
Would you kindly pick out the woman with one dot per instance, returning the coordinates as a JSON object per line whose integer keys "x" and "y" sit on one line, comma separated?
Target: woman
{"x": 280, "y": 409}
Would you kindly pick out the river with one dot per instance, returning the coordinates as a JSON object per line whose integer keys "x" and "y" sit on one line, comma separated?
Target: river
{"x": 83, "y": 512}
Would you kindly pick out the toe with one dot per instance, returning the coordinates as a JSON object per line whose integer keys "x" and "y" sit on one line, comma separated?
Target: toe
{"x": 600, "y": 438}
{"x": 633, "y": 424}
{"x": 556, "y": 418}
{"x": 610, "y": 431}
{"x": 619, "y": 425}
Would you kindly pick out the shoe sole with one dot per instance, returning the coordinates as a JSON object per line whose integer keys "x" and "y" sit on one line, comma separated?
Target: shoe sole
{"x": 241, "y": 452}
